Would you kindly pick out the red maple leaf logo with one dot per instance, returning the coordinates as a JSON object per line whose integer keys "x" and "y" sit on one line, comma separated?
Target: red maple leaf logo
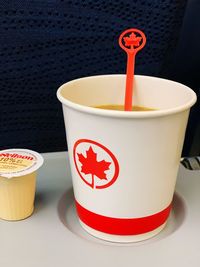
{"x": 132, "y": 40}
{"x": 90, "y": 165}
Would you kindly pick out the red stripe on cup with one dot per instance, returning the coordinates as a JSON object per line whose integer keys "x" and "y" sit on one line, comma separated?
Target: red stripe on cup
{"x": 122, "y": 226}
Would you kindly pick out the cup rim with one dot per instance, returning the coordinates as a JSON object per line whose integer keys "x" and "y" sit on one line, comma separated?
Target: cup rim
{"x": 126, "y": 114}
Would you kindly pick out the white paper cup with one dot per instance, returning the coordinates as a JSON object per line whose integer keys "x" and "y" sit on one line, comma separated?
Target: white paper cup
{"x": 124, "y": 164}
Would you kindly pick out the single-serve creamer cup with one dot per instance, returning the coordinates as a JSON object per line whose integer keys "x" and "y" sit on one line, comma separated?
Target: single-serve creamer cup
{"x": 124, "y": 164}
{"x": 18, "y": 170}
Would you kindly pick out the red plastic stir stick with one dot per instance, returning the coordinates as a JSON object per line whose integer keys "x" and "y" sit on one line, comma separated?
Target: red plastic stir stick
{"x": 131, "y": 41}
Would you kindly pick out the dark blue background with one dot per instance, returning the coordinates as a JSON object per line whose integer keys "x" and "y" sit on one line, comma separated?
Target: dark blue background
{"x": 46, "y": 43}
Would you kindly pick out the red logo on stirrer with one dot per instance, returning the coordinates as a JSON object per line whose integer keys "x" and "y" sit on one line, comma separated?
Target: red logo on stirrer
{"x": 131, "y": 41}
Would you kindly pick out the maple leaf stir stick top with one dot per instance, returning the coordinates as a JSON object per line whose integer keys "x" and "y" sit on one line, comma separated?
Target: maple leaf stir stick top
{"x": 90, "y": 165}
{"x": 131, "y": 41}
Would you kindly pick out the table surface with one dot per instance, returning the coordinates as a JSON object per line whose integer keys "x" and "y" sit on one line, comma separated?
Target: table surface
{"x": 53, "y": 237}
